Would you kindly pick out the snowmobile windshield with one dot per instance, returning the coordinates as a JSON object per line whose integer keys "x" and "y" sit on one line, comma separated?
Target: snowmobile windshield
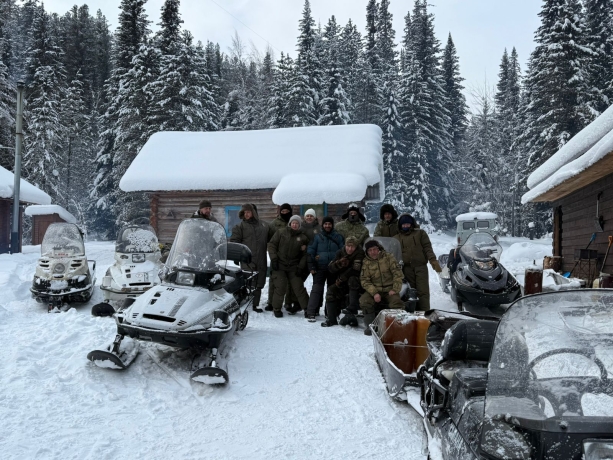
{"x": 391, "y": 245}
{"x": 62, "y": 240}
{"x": 480, "y": 246}
{"x": 136, "y": 238}
{"x": 551, "y": 363}
{"x": 200, "y": 245}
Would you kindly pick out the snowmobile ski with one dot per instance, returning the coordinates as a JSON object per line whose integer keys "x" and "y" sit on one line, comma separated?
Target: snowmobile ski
{"x": 210, "y": 376}
{"x": 116, "y": 356}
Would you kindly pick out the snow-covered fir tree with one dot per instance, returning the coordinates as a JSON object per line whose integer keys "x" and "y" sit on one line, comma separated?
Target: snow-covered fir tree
{"x": 598, "y": 38}
{"x": 335, "y": 105}
{"x": 455, "y": 99}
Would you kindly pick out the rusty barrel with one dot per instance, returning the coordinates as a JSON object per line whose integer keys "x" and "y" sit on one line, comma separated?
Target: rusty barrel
{"x": 552, "y": 262}
{"x": 533, "y": 283}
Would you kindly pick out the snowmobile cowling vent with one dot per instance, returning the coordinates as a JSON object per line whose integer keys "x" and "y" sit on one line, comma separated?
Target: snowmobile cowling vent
{"x": 469, "y": 340}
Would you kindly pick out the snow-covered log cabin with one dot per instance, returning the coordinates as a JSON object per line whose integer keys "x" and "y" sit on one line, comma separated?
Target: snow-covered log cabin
{"x": 578, "y": 181}
{"x": 45, "y": 215}
{"x": 320, "y": 167}
{"x": 28, "y": 194}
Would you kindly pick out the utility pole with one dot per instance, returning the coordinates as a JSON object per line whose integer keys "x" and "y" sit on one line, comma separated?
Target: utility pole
{"x": 15, "y": 236}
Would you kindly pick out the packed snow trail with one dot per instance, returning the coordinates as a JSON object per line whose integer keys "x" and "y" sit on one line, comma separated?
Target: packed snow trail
{"x": 296, "y": 390}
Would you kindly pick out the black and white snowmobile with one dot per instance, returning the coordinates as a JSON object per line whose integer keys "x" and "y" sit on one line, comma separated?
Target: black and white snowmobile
{"x": 480, "y": 279}
{"x": 201, "y": 301}
{"x": 535, "y": 385}
{"x": 63, "y": 273}
{"x": 136, "y": 268}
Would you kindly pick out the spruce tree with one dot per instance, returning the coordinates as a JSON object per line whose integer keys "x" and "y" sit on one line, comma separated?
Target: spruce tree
{"x": 599, "y": 40}
{"x": 335, "y": 104}
{"x": 455, "y": 100}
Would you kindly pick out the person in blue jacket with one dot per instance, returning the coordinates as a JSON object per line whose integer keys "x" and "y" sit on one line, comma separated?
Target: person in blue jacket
{"x": 321, "y": 252}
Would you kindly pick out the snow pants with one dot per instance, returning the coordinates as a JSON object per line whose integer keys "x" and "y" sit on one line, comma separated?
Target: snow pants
{"x": 260, "y": 280}
{"x": 321, "y": 278}
{"x": 370, "y": 307}
{"x": 282, "y": 279}
{"x": 418, "y": 278}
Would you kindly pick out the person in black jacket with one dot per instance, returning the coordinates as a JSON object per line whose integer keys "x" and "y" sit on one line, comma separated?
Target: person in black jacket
{"x": 345, "y": 268}
{"x": 321, "y": 252}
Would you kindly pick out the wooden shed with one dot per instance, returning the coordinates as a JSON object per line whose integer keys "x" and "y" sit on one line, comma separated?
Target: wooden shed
{"x": 28, "y": 194}
{"x": 45, "y": 215}
{"x": 324, "y": 168}
{"x": 578, "y": 182}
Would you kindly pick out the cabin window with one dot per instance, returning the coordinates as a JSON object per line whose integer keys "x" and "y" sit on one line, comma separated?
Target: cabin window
{"x": 372, "y": 193}
{"x": 232, "y": 218}
{"x": 468, "y": 225}
{"x": 483, "y": 224}
{"x": 320, "y": 209}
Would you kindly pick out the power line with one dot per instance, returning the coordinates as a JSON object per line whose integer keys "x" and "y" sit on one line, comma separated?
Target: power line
{"x": 267, "y": 42}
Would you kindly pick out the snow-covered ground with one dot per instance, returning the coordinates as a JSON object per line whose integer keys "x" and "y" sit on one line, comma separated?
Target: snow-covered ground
{"x": 296, "y": 390}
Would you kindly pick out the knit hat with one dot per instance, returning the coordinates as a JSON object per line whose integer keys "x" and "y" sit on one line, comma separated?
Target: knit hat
{"x": 310, "y": 212}
{"x": 371, "y": 244}
{"x": 328, "y": 219}
{"x": 294, "y": 218}
{"x": 352, "y": 241}
{"x": 286, "y": 206}
{"x": 406, "y": 219}
{"x": 205, "y": 204}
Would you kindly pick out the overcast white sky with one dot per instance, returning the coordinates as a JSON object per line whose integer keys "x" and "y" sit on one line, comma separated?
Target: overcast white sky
{"x": 481, "y": 29}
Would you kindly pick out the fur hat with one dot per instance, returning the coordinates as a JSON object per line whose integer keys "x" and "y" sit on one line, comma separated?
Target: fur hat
{"x": 371, "y": 244}
{"x": 351, "y": 240}
{"x": 294, "y": 218}
{"x": 248, "y": 207}
{"x": 205, "y": 204}
{"x": 388, "y": 208}
{"x": 310, "y": 212}
{"x": 327, "y": 219}
{"x": 354, "y": 207}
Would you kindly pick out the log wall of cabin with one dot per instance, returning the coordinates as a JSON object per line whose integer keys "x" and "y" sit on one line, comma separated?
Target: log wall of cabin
{"x": 574, "y": 224}
{"x": 168, "y": 209}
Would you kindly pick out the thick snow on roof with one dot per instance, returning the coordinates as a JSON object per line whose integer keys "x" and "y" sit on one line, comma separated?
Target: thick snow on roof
{"x": 27, "y": 192}
{"x": 573, "y": 149}
{"x": 331, "y": 188}
{"x": 45, "y": 210}
{"x": 596, "y": 153}
{"x": 476, "y": 215}
{"x": 232, "y": 160}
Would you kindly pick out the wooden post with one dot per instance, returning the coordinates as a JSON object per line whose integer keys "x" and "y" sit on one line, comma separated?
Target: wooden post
{"x": 533, "y": 283}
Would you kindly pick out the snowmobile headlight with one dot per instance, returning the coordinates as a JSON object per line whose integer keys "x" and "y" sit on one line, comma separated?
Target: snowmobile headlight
{"x": 484, "y": 265}
{"x": 138, "y": 258}
{"x": 59, "y": 268}
{"x": 185, "y": 278}
{"x": 598, "y": 449}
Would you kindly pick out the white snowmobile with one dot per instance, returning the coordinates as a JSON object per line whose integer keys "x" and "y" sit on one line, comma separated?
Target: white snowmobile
{"x": 136, "y": 268}
{"x": 63, "y": 273}
{"x": 200, "y": 303}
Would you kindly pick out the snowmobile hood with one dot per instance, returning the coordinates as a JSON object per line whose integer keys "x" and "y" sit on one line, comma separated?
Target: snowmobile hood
{"x": 174, "y": 308}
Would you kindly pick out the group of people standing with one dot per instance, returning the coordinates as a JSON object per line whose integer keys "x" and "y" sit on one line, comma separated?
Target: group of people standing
{"x": 357, "y": 275}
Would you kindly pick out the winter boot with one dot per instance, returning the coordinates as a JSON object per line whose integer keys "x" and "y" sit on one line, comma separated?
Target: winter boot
{"x": 328, "y": 323}
{"x": 278, "y": 314}
{"x": 349, "y": 320}
{"x": 311, "y": 318}
{"x": 257, "y": 294}
{"x": 269, "y": 307}
{"x": 368, "y": 318}
{"x": 332, "y": 308}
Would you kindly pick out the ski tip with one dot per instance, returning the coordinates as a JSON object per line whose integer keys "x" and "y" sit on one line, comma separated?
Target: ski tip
{"x": 105, "y": 360}
{"x": 210, "y": 376}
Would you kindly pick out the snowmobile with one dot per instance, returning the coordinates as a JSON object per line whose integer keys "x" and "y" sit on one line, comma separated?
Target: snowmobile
{"x": 63, "y": 273}
{"x": 201, "y": 301}
{"x": 480, "y": 279}
{"x": 534, "y": 385}
{"x": 136, "y": 268}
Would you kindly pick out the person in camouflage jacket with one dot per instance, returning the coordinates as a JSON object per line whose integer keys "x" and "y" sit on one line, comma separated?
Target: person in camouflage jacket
{"x": 345, "y": 268}
{"x": 381, "y": 278}
{"x": 416, "y": 253}
{"x": 255, "y": 234}
{"x": 281, "y": 221}
{"x": 388, "y": 225}
{"x": 353, "y": 225}
{"x": 287, "y": 251}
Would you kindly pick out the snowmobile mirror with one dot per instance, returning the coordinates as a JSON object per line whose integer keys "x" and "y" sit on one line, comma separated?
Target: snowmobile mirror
{"x": 238, "y": 252}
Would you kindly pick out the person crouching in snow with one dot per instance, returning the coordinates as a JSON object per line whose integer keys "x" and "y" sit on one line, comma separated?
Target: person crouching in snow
{"x": 287, "y": 251}
{"x": 381, "y": 278}
{"x": 388, "y": 225}
{"x": 321, "y": 252}
{"x": 416, "y": 253}
{"x": 353, "y": 224}
{"x": 345, "y": 268}
{"x": 255, "y": 234}
{"x": 204, "y": 211}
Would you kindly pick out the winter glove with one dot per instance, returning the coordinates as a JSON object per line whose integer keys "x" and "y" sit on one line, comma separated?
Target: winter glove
{"x": 343, "y": 262}
{"x": 338, "y": 282}
{"x": 357, "y": 265}
{"x": 436, "y": 266}
{"x": 274, "y": 265}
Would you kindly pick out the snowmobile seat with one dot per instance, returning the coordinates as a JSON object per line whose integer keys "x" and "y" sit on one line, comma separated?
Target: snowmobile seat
{"x": 234, "y": 284}
{"x": 466, "y": 341}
